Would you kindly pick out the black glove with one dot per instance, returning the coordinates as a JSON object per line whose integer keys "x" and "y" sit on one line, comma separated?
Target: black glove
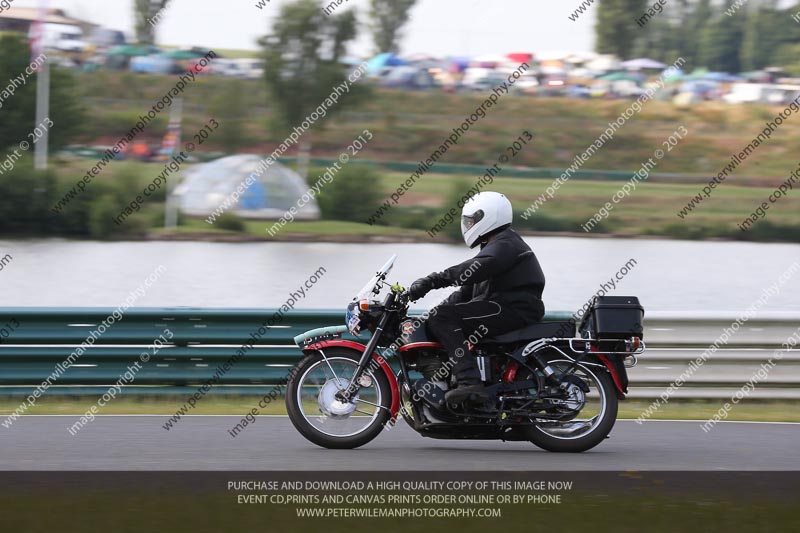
{"x": 420, "y": 288}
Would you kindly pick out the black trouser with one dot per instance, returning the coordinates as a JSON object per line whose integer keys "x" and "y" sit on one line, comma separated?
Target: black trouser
{"x": 452, "y": 325}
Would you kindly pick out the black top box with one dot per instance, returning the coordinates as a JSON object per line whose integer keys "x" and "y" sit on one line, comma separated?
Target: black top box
{"x": 614, "y": 317}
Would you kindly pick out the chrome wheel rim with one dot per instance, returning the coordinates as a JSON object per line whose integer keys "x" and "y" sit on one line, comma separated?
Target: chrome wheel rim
{"x": 592, "y": 405}
{"x": 316, "y": 398}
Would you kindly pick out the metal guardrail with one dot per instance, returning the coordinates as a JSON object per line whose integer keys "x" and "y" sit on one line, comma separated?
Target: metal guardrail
{"x": 95, "y": 152}
{"x": 35, "y": 340}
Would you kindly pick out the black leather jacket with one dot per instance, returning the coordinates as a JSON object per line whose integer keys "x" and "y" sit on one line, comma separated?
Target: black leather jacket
{"x": 505, "y": 271}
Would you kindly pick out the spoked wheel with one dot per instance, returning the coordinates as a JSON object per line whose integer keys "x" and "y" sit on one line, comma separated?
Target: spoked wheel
{"x": 323, "y": 419}
{"x": 588, "y": 407}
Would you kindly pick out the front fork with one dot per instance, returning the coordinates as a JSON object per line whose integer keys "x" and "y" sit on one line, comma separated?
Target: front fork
{"x": 355, "y": 382}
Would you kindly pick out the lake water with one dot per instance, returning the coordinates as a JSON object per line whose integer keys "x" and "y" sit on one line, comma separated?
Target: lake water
{"x": 669, "y": 276}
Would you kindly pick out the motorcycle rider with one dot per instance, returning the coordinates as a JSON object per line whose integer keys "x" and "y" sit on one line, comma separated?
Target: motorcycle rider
{"x": 501, "y": 289}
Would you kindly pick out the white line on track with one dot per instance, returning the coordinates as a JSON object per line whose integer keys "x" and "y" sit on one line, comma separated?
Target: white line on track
{"x": 286, "y": 416}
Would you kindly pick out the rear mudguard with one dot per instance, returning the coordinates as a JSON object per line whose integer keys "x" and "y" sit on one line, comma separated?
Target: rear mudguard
{"x": 358, "y": 347}
{"x": 616, "y": 368}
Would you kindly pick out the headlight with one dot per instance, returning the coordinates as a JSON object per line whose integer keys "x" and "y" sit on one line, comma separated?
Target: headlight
{"x": 352, "y": 319}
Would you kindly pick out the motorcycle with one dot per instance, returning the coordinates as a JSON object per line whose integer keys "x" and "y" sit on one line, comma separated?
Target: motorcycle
{"x": 545, "y": 383}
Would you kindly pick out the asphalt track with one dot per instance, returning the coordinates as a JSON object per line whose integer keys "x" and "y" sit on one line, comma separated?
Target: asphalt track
{"x": 203, "y": 443}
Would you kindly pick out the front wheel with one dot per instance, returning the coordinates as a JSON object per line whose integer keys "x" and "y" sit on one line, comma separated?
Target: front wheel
{"x": 324, "y": 420}
{"x": 589, "y": 410}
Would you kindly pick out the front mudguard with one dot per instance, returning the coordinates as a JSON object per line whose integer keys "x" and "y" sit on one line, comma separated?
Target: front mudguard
{"x": 394, "y": 410}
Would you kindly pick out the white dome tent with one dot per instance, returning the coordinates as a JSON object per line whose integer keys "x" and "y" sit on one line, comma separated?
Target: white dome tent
{"x": 208, "y": 186}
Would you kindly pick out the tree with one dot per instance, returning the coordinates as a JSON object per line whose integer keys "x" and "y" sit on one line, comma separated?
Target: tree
{"x": 757, "y": 35}
{"x": 675, "y": 32}
{"x": 659, "y": 41}
{"x": 767, "y": 29}
{"x": 353, "y": 194}
{"x": 722, "y": 40}
{"x": 303, "y": 64}
{"x": 616, "y": 29}
{"x": 788, "y": 57}
{"x": 18, "y": 113}
{"x": 695, "y": 17}
{"x": 147, "y": 16}
{"x": 388, "y": 17}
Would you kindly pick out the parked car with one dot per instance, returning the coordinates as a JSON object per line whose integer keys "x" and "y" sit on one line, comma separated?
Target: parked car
{"x": 552, "y": 85}
{"x": 228, "y": 67}
{"x": 476, "y": 76}
{"x": 251, "y": 68}
{"x": 153, "y": 64}
{"x": 488, "y": 83}
{"x": 616, "y": 89}
{"x": 528, "y": 83}
{"x": 578, "y": 90}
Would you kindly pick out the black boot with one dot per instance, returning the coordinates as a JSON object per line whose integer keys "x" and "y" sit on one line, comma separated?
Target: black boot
{"x": 469, "y": 387}
{"x": 467, "y": 392}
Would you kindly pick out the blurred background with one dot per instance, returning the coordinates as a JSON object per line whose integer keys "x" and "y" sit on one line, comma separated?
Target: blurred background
{"x": 429, "y": 66}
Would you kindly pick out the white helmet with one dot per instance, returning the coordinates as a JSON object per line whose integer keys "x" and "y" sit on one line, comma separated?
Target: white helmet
{"x": 484, "y": 213}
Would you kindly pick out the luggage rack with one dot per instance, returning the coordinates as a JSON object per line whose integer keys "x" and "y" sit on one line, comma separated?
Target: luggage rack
{"x": 635, "y": 345}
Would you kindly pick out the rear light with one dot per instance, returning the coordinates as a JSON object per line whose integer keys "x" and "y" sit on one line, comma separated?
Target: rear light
{"x": 634, "y": 344}
{"x": 364, "y": 304}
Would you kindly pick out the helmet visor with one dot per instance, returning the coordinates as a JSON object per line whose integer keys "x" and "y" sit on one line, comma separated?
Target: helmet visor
{"x": 468, "y": 221}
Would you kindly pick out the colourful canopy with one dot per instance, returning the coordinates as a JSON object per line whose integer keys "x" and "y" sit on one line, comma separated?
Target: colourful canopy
{"x": 520, "y": 57}
{"x": 183, "y": 54}
{"x": 384, "y": 60}
{"x": 643, "y": 63}
{"x": 130, "y": 50}
{"x": 621, "y": 76}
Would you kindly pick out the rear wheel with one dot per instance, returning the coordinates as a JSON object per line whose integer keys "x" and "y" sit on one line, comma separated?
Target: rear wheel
{"x": 324, "y": 420}
{"x": 589, "y": 408}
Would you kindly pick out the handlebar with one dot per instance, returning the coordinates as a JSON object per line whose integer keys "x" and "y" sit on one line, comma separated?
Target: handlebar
{"x": 403, "y": 298}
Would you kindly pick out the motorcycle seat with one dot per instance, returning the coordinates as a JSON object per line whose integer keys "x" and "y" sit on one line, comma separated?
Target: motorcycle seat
{"x": 534, "y": 331}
